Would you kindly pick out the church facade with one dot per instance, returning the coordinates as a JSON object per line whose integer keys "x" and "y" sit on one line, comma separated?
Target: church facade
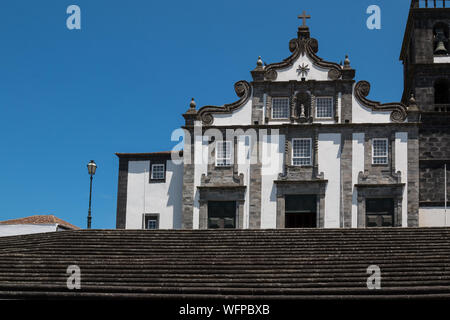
{"x": 304, "y": 147}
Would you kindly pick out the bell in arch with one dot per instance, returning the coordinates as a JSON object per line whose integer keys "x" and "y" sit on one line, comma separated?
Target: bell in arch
{"x": 440, "y": 49}
{"x": 440, "y": 38}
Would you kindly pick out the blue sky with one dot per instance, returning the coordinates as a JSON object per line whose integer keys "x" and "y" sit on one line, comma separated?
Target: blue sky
{"x": 121, "y": 83}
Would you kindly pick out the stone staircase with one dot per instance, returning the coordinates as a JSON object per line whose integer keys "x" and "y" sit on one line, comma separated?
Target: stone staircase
{"x": 235, "y": 264}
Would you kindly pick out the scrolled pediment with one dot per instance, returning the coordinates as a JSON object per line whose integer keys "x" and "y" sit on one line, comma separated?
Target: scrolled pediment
{"x": 300, "y": 47}
{"x": 399, "y": 110}
{"x": 243, "y": 91}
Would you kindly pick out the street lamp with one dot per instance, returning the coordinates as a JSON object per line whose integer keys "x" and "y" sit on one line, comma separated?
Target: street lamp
{"x": 92, "y": 167}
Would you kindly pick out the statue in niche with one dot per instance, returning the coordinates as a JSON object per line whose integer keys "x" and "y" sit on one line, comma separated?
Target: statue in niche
{"x": 302, "y": 111}
{"x": 303, "y": 107}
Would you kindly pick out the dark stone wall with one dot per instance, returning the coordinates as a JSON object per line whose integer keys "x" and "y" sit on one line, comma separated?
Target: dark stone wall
{"x": 122, "y": 194}
{"x": 413, "y": 177}
{"x": 434, "y": 154}
{"x": 187, "y": 208}
{"x": 419, "y": 67}
{"x": 346, "y": 176}
{"x": 435, "y": 136}
{"x": 421, "y": 74}
{"x": 432, "y": 183}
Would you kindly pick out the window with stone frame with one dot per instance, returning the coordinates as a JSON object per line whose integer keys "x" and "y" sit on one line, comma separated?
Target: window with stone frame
{"x": 380, "y": 151}
{"x": 280, "y": 108}
{"x": 324, "y": 107}
{"x": 151, "y": 221}
{"x": 158, "y": 172}
{"x": 302, "y": 152}
{"x": 223, "y": 153}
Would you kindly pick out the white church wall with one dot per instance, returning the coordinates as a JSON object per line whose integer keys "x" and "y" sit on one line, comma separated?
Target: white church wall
{"x": 357, "y": 167}
{"x": 19, "y": 229}
{"x": 200, "y": 168}
{"x": 290, "y": 73}
{"x": 433, "y": 217}
{"x": 401, "y": 164}
{"x": 272, "y": 161}
{"x": 242, "y": 116}
{"x": 329, "y": 156}
{"x": 164, "y": 199}
{"x": 362, "y": 114}
{"x": 136, "y": 193}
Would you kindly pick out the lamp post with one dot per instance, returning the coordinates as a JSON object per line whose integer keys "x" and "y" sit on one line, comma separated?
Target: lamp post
{"x": 92, "y": 167}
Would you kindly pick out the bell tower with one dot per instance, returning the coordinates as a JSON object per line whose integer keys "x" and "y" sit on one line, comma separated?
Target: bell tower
{"x": 426, "y": 61}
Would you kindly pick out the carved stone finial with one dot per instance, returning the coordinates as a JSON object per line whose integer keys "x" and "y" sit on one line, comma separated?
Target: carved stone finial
{"x": 191, "y": 113}
{"x": 259, "y": 63}
{"x": 347, "y": 62}
{"x": 412, "y": 105}
{"x": 193, "y": 104}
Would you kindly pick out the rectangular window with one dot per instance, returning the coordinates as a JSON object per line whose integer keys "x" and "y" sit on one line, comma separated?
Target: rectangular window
{"x": 151, "y": 221}
{"x": 223, "y": 154}
{"x": 301, "y": 152}
{"x": 280, "y": 108}
{"x": 324, "y": 107}
{"x": 380, "y": 151}
{"x": 221, "y": 214}
{"x": 158, "y": 172}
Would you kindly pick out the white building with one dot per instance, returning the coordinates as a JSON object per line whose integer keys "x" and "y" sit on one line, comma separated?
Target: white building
{"x": 302, "y": 147}
{"x": 34, "y": 224}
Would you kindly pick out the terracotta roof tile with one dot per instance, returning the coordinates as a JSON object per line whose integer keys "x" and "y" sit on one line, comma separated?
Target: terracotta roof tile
{"x": 41, "y": 219}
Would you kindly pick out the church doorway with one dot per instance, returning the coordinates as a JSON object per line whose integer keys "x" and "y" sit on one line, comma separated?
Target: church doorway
{"x": 222, "y": 214}
{"x": 380, "y": 212}
{"x": 301, "y": 211}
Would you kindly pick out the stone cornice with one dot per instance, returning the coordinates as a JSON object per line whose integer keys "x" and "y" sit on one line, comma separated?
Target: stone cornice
{"x": 311, "y": 125}
{"x": 372, "y": 185}
{"x": 320, "y": 181}
{"x": 222, "y": 186}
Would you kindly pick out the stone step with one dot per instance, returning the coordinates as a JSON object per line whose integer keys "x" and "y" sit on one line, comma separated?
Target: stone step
{"x": 321, "y": 263}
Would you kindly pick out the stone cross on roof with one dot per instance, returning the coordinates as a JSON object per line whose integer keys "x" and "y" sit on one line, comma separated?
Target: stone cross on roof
{"x": 304, "y": 16}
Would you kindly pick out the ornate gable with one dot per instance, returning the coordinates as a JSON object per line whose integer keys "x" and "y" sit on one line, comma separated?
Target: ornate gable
{"x": 301, "y": 78}
{"x": 303, "y": 64}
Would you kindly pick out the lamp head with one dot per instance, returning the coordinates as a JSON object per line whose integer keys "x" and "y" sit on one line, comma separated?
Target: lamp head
{"x": 92, "y": 167}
